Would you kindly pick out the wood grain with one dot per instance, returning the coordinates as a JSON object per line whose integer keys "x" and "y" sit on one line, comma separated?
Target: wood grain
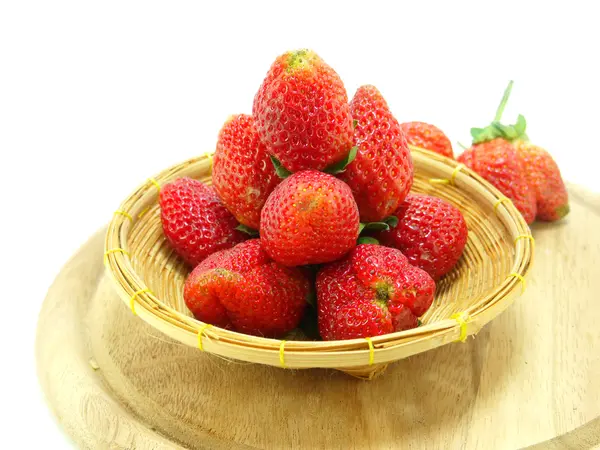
{"x": 529, "y": 378}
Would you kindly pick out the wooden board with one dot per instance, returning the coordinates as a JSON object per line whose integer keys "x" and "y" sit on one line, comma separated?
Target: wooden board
{"x": 531, "y": 377}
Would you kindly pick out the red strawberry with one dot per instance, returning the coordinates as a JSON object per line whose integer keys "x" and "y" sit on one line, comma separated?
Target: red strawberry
{"x": 373, "y": 291}
{"x": 382, "y": 172}
{"x": 195, "y": 221}
{"x": 302, "y": 114}
{"x": 545, "y": 180}
{"x": 539, "y": 169}
{"x": 243, "y": 289}
{"x": 429, "y": 137}
{"x": 243, "y": 174}
{"x": 497, "y": 162}
{"x": 431, "y": 233}
{"x": 310, "y": 218}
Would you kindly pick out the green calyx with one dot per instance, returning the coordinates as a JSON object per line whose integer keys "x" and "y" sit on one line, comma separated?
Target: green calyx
{"x": 249, "y": 231}
{"x": 281, "y": 171}
{"x": 340, "y": 166}
{"x": 563, "y": 210}
{"x": 367, "y": 240}
{"x": 498, "y": 130}
{"x": 385, "y": 225}
{"x": 332, "y": 169}
{"x": 300, "y": 59}
{"x": 382, "y": 292}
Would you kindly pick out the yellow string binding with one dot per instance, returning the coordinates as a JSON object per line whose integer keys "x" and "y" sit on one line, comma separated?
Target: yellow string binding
{"x": 125, "y": 214}
{"x": 114, "y": 250}
{"x": 371, "y": 351}
{"x": 209, "y": 156}
{"x": 134, "y": 296}
{"x": 155, "y": 183}
{"x": 499, "y": 202}
{"x": 281, "y": 355}
{"x": 521, "y": 278}
{"x": 462, "y": 318}
{"x": 526, "y": 236}
{"x": 202, "y": 329}
{"x": 452, "y": 179}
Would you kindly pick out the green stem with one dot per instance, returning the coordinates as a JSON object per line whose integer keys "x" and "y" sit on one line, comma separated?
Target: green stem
{"x": 500, "y": 109}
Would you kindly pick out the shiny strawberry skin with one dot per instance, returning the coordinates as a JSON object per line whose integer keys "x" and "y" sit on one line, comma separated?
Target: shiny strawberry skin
{"x": 245, "y": 290}
{"x": 381, "y": 175}
{"x": 243, "y": 174}
{"x": 310, "y": 218}
{"x": 302, "y": 113}
{"x": 498, "y": 163}
{"x": 371, "y": 292}
{"x": 431, "y": 233}
{"x": 428, "y": 137}
{"x": 544, "y": 178}
{"x": 194, "y": 220}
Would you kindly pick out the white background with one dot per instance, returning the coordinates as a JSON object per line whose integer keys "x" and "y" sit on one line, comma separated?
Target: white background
{"x": 95, "y": 97}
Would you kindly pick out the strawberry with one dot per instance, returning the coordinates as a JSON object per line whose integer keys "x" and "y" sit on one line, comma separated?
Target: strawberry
{"x": 540, "y": 170}
{"x": 310, "y": 218}
{"x": 243, "y": 175}
{"x": 302, "y": 113}
{"x": 427, "y": 136}
{"x": 545, "y": 180}
{"x": 497, "y": 162}
{"x": 245, "y": 290}
{"x": 373, "y": 291}
{"x": 195, "y": 221}
{"x": 381, "y": 175}
{"x": 431, "y": 233}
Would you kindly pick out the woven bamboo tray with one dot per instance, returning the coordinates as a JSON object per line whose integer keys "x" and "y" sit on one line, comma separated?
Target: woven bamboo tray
{"x": 149, "y": 276}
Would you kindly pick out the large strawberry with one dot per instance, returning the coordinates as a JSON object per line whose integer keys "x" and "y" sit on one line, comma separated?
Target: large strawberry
{"x": 302, "y": 114}
{"x": 244, "y": 290}
{"x": 310, "y": 218}
{"x": 243, "y": 174}
{"x": 431, "y": 233}
{"x": 195, "y": 221}
{"x": 381, "y": 175}
{"x": 373, "y": 291}
{"x": 540, "y": 169}
{"x": 427, "y": 136}
{"x": 497, "y": 162}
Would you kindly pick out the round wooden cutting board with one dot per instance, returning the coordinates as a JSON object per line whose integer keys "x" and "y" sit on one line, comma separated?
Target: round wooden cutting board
{"x": 529, "y": 378}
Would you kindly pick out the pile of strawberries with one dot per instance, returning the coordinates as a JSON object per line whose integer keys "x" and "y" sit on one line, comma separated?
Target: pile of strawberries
{"x": 310, "y": 217}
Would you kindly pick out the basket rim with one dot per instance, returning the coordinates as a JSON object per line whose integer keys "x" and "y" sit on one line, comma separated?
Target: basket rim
{"x": 350, "y": 353}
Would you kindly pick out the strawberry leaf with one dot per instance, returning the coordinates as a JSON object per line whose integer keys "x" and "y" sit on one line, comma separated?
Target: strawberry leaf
{"x": 281, "y": 171}
{"x": 249, "y": 231}
{"x": 419, "y": 323}
{"x": 367, "y": 240}
{"x": 520, "y": 126}
{"x": 354, "y": 123}
{"x": 361, "y": 227}
{"x": 392, "y": 221}
{"x": 340, "y": 166}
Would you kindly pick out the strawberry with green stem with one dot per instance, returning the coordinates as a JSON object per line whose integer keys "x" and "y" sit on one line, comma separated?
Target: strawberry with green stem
{"x": 540, "y": 170}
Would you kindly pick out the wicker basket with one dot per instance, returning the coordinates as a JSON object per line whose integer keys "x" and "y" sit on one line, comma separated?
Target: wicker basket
{"x": 149, "y": 276}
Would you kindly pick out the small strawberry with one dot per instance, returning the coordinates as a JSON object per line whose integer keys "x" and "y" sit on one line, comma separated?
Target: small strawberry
{"x": 243, "y": 174}
{"x": 541, "y": 171}
{"x": 427, "y": 136}
{"x": 431, "y": 233}
{"x": 373, "y": 291}
{"x": 195, "y": 221}
{"x": 302, "y": 113}
{"x": 243, "y": 289}
{"x": 310, "y": 218}
{"x": 544, "y": 178}
{"x": 497, "y": 162}
{"x": 381, "y": 175}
